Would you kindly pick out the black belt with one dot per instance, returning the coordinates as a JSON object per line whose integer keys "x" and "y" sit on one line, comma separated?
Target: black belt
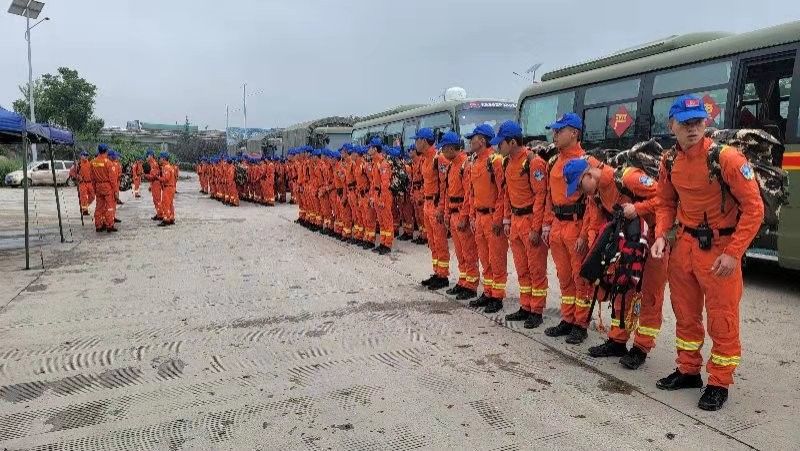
{"x": 573, "y": 212}
{"x": 339, "y": 191}
{"x": 364, "y": 192}
{"x": 522, "y": 211}
{"x": 454, "y": 210}
{"x": 485, "y": 211}
{"x": 456, "y": 200}
{"x": 727, "y": 231}
{"x": 351, "y": 185}
{"x": 433, "y": 198}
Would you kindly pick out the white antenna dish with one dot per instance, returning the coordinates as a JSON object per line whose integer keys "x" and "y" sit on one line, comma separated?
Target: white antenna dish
{"x": 455, "y": 93}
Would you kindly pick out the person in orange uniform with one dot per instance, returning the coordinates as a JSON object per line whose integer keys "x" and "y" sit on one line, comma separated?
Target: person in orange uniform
{"x": 352, "y": 161}
{"x": 364, "y": 186}
{"x": 637, "y": 198}
{"x": 137, "y": 172}
{"x": 705, "y": 264}
{"x": 102, "y": 176}
{"x": 417, "y": 196}
{"x": 382, "y": 199}
{"x": 456, "y": 208}
{"x": 116, "y": 168}
{"x": 169, "y": 180}
{"x": 405, "y": 202}
{"x": 434, "y": 170}
{"x": 155, "y": 185}
{"x": 230, "y": 179}
{"x": 526, "y": 190}
{"x": 82, "y": 173}
{"x": 564, "y": 231}
{"x": 487, "y": 208}
{"x": 269, "y": 183}
{"x": 344, "y": 214}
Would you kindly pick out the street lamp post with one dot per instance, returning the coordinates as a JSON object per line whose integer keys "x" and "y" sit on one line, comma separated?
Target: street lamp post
{"x": 29, "y": 9}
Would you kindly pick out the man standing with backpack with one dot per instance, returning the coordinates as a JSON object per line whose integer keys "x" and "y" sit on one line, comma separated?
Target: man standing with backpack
{"x": 717, "y": 218}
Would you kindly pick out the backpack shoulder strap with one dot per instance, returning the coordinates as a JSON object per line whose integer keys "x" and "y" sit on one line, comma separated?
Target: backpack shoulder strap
{"x": 550, "y": 163}
{"x": 490, "y": 166}
{"x": 669, "y": 161}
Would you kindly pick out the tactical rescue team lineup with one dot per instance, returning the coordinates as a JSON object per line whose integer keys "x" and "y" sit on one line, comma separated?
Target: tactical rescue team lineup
{"x": 99, "y": 181}
{"x": 609, "y": 230}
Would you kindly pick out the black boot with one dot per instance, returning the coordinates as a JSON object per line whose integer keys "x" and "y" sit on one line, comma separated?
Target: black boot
{"x": 633, "y": 359}
{"x": 466, "y": 294}
{"x": 482, "y": 301}
{"x": 117, "y": 221}
{"x": 423, "y": 241}
{"x": 713, "y": 398}
{"x": 534, "y": 320}
{"x": 577, "y": 335}
{"x": 494, "y": 306}
{"x": 563, "y": 328}
{"x": 404, "y": 237}
{"x": 519, "y": 315}
{"x": 678, "y": 380}
{"x": 439, "y": 283}
{"x": 384, "y": 250}
{"x": 609, "y": 349}
{"x": 455, "y": 290}
{"x": 163, "y": 224}
{"x": 156, "y": 218}
{"x": 100, "y": 229}
{"x": 111, "y": 229}
{"x": 428, "y": 281}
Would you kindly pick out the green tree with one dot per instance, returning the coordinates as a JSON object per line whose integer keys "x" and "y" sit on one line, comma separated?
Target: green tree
{"x": 63, "y": 99}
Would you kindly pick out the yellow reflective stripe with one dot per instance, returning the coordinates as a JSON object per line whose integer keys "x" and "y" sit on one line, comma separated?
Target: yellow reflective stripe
{"x": 614, "y": 322}
{"x": 435, "y": 262}
{"x": 444, "y": 264}
{"x": 499, "y": 286}
{"x": 472, "y": 279}
{"x": 539, "y": 292}
{"x": 724, "y": 361}
{"x": 582, "y": 303}
{"x": 462, "y": 275}
{"x": 568, "y": 300}
{"x": 649, "y": 331}
{"x": 524, "y": 290}
{"x": 684, "y": 345}
{"x": 488, "y": 282}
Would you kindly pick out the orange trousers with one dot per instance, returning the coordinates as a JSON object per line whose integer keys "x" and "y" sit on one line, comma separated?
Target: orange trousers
{"x": 369, "y": 219}
{"x": 531, "y": 264}
{"x": 346, "y": 214}
{"x": 437, "y": 241}
{"x": 493, "y": 254}
{"x": 406, "y": 213}
{"x": 419, "y": 213}
{"x": 168, "y": 203}
{"x": 326, "y": 210}
{"x": 137, "y": 182}
{"x": 693, "y": 286}
{"x": 466, "y": 253}
{"x": 385, "y": 218}
{"x": 654, "y": 280}
{"x": 85, "y": 195}
{"x": 106, "y": 207}
{"x": 233, "y": 194}
{"x": 155, "y": 190}
{"x": 355, "y": 214}
{"x": 575, "y": 293}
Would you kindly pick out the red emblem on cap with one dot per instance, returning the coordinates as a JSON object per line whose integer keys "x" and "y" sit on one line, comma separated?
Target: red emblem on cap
{"x": 620, "y": 121}
{"x": 691, "y": 103}
{"x": 712, "y": 109}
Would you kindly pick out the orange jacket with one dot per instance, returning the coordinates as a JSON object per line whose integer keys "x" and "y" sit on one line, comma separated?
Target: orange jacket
{"x": 102, "y": 174}
{"x": 360, "y": 174}
{"x": 434, "y": 171}
{"x": 484, "y": 193}
{"x": 155, "y": 170}
{"x": 457, "y": 180}
{"x": 381, "y": 178}
{"x": 137, "y": 169}
{"x": 701, "y": 197}
{"x": 82, "y": 171}
{"x": 526, "y": 187}
{"x": 169, "y": 176}
{"x": 635, "y": 181}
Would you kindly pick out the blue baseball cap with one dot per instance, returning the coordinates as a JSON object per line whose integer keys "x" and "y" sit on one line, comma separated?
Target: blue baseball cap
{"x": 449, "y": 139}
{"x": 376, "y": 142}
{"x": 149, "y": 152}
{"x": 425, "y": 133}
{"x": 393, "y": 152}
{"x": 84, "y": 153}
{"x": 103, "y": 147}
{"x": 688, "y": 107}
{"x": 164, "y": 155}
{"x": 573, "y": 171}
{"x": 413, "y": 146}
{"x": 567, "y": 120}
{"x": 508, "y": 129}
{"x": 483, "y": 130}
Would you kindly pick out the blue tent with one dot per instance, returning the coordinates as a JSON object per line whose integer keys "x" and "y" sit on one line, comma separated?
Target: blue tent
{"x": 60, "y": 136}
{"x": 12, "y": 126}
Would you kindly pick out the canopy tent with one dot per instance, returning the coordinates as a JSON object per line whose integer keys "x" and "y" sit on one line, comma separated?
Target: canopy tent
{"x": 12, "y": 126}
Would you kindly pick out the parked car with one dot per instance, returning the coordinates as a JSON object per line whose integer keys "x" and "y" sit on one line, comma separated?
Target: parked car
{"x": 39, "y": 173}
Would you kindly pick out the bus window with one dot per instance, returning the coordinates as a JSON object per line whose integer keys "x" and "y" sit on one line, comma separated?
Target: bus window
{"x": 685, "y": 80}
{"x": 376, "y": 131}
{"x": 394, "y": 134}
{"x": 409, "y": 130}
{"x": 538, "y": 113}
{"x": 620, "y": 90}
{"x": 764, "y": 94}
{"x": 471, "y": 116}
{"x": 609, "y": 126}
{"x": 715, "y": 102}
{"x": 441, "y": 123}
{"x": 359, "y": 135}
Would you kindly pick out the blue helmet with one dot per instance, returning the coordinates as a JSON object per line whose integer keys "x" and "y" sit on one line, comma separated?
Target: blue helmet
{"x": 164, "y": 155}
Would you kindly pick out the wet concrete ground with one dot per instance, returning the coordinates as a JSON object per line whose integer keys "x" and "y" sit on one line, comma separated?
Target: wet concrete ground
{"x": 238, "y": 329}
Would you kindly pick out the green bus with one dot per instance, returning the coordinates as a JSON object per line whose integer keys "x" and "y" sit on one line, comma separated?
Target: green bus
{"x": 748, "y": 80}
{"x": 457, "y": 115}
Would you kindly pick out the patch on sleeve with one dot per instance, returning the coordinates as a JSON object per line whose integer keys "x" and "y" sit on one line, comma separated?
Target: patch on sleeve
{"x": 747, "y": 171}
{"x": 538, "y": 175}
{"x": 646, "y": 180}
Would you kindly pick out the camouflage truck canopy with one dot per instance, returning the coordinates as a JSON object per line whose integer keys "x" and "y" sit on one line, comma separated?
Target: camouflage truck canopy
{"x": 301, "y": 134}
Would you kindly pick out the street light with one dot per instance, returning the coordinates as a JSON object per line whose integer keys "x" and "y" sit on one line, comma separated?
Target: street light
{"x": 29, "y": 9}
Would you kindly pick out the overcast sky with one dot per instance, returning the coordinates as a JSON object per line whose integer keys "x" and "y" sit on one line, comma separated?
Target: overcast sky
{"x": 158, "y": 61}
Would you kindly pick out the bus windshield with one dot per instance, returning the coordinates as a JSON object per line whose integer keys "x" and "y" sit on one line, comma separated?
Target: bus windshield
{"x": 492, "y": 113}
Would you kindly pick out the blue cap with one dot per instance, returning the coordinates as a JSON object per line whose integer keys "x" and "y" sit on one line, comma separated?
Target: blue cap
{"x": 449, "y": 139}
{"x": 413, "y": 146}
{"x": 508, "y": 129}
{"x": 113, "y": 154}
{"x": 393, "y": 152}
{"x": 103, "y": 147}
{"x": 425, "y": 133}
{"x": 164, "y": 155}
{"x": 84, "y": 153}
{"x": 336, "y": 154}
{"x": 688, "y": 107}
{"x": 483, "y": 130}
{"x": 316, "y": 152}
{"x": 376, "y": 142}
{"x": 149, "y": 152}
{"x": 573, "y": 171}
{"x": 567, "y": 120}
